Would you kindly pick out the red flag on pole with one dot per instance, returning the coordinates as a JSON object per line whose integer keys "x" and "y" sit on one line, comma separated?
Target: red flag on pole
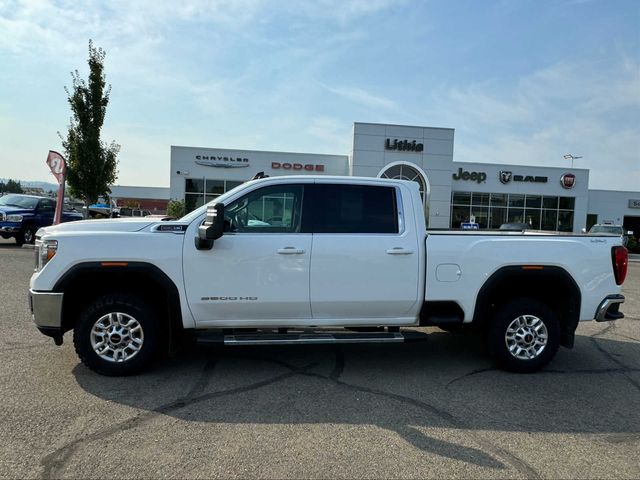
{"x": 58, "y": 166}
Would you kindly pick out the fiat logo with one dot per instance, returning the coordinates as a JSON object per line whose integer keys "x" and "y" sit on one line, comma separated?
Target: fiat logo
{"x": 568, "y": 180}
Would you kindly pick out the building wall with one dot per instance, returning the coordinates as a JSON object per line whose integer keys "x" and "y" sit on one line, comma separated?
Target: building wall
{"x": 615, "y": 207}
{"x": 370, "y": 156}
{"x": 154, "y": 199}
{"x": 128, "y": 191}
{"x": 527, "y": 180}
{"x": 155, "y": 206}
{"x": 236, "y": 166}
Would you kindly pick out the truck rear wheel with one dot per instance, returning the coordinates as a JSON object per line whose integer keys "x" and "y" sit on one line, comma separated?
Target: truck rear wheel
{"x": 117, "y": 334}
{"x": 523, "y": 336}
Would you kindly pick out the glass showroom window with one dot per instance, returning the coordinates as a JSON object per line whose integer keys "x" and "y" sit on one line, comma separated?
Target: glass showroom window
{"x": 460, "y": 208}
{"x": 498, "y": 209}
{"x": 406, "y": 172}
{"x": 480, "y": 209}
{"x": 565, "y": 214}
{"x": 199, "y": 191}
{"x": 493, "y": 209}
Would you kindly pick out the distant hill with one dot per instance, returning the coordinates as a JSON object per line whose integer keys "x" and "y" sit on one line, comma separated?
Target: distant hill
{"x": 46, "y": 186}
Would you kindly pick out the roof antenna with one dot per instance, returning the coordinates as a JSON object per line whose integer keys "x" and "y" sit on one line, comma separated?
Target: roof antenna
{"x": 259, "y": 175}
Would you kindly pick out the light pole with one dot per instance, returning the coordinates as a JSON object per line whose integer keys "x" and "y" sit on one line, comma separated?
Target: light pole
{"x": 568, "y": 156}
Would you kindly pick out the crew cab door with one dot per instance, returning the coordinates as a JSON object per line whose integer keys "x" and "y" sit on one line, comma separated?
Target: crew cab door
{"x": 365, "y": 263}
{"x": 258, "y": 271}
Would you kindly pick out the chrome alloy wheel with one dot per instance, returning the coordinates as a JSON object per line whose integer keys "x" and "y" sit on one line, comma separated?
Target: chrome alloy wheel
{"x": 117, "y": 337}
{"x": 526, "y": 337}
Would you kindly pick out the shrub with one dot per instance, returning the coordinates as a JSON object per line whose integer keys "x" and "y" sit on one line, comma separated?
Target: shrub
{"x": 176, "y": 208}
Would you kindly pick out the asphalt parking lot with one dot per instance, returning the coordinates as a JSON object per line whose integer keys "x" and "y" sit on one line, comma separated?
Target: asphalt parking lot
{"x": 433, "y": 409}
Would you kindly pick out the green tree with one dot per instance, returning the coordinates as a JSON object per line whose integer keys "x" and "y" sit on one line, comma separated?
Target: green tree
{"x": 91, "y": 163}
{"x": 176, "y": 208}
{"x": 12, "y": 186}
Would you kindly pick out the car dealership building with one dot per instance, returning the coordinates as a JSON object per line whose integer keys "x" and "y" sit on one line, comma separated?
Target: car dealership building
{"x": 455, "y": 193}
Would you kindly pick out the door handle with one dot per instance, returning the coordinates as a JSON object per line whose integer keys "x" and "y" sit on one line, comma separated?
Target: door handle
{"x": 290, "y": 251}
{"x": 399, "y": 251}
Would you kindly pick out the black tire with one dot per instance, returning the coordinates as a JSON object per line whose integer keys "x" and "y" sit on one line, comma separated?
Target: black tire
{"x": 132, "y": 306}
{"x": 26, "y": 235}
{"x": 496, "y": 335}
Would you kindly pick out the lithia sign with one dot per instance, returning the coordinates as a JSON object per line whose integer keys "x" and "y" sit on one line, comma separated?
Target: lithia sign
{"x": 403, "y": 145}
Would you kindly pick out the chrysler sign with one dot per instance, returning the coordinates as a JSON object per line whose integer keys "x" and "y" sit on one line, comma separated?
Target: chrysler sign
{"x": 221, "y": 161}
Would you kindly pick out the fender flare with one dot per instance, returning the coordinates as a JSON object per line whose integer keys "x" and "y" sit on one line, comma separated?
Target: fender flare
{"x": 528, "y": 273}
{"x": 115, "y": 268}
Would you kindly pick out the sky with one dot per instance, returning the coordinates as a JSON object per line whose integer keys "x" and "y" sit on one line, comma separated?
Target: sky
{"x": 521, "y": 82}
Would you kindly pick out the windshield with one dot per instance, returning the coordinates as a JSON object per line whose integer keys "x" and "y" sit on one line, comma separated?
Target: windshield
{"x": 190, "y": 217}
{"x": 606, "y": 229}
{"x": 19, "y": 201}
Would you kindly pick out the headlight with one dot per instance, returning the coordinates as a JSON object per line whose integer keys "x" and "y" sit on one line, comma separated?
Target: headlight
{"x": 14, "y": 218}
{"x": 45, "y": 251}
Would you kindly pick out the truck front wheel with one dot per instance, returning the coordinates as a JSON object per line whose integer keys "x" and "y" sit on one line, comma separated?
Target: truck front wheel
{"x": 523, "y": 336}
{"x": 26, "y": 235}
{"x": 117, "y": 334}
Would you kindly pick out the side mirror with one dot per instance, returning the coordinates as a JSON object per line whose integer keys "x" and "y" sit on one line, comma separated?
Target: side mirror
{"x": 584, "y": 230}
{"x": 212, "y": 228}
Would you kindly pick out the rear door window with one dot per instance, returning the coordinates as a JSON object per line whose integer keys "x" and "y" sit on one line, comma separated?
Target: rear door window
{"x": 354, "y": 209}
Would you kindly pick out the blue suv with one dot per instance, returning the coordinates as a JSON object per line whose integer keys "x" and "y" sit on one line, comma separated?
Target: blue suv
{"x": 22, "y": 215}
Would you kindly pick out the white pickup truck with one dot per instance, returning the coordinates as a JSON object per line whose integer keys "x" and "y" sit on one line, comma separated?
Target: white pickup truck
{"x": 295, "y": 259}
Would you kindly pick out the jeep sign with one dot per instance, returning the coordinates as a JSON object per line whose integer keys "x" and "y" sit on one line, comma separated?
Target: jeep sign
{"x": 473, "y": 176}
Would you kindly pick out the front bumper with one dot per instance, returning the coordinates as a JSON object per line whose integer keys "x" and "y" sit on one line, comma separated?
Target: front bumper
{"x": 609, "y": 308}
{"x": 46, "y": 308}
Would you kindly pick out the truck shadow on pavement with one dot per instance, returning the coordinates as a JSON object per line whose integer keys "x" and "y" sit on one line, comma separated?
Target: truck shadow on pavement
{"x": 415, "y": 390}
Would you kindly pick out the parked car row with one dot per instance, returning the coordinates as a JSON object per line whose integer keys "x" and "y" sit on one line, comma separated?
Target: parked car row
{"x": 22, "y": 215}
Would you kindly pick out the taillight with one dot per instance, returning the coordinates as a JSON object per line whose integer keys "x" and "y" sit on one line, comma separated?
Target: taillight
{"x": 620, "y": 259}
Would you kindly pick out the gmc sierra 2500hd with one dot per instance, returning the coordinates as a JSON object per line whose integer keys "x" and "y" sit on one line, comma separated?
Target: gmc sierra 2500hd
{"x": 316, "y": 260}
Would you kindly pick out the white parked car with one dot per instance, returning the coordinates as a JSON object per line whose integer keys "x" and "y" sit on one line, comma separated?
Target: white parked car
{"x": 613, "y": 230}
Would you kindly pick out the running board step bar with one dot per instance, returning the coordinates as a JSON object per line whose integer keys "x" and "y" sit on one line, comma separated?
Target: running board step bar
{"x": 310, "y": 338}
